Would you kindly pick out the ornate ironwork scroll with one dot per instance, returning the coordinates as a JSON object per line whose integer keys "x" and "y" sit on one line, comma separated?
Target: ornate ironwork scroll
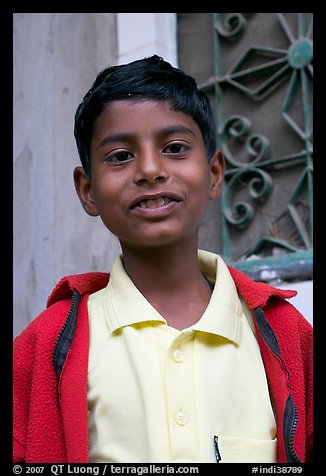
{"x": 263, "y": 92}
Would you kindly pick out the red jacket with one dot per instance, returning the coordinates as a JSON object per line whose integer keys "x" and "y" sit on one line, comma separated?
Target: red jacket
{"x": 50, "y": 372}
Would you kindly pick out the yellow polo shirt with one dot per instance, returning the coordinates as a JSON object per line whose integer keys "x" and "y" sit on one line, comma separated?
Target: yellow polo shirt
{"x": 160, "y": 395}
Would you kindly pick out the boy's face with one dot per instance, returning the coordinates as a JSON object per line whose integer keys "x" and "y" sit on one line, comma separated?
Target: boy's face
{"x": 151, "y": 180}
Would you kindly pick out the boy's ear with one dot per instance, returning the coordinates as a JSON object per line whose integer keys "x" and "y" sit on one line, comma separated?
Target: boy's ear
{"x": 84, "y": 191}
{"x": 217, "y": 166}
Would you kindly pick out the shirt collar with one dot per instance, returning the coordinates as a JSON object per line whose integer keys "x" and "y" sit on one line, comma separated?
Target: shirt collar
{"x": 221, "y": 316}
{"x": 125, "y": 304}
{"x": 224, "y": 310}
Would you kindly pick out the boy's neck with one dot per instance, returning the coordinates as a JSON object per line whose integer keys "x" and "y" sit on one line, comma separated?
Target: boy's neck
{"x": 171, "y": 280}
{"x": 169, "y": 264}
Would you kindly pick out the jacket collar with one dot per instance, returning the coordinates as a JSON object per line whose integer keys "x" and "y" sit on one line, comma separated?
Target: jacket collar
{"x": 256, "y": 294}
{"x": 84, "y": 283}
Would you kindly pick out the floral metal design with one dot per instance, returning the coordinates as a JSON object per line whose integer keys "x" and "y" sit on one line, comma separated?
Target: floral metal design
{"x": 257, "y": 74}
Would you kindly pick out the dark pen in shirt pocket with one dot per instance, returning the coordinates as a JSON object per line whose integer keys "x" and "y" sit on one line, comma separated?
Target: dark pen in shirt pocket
{"x": 217, "y": 451}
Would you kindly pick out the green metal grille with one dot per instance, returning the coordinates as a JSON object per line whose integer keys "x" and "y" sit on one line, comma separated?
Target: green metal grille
{"x": 264, "y": 117}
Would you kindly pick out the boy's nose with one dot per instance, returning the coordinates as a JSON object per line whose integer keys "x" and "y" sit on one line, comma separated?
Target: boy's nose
{"x": 150, "y": 168}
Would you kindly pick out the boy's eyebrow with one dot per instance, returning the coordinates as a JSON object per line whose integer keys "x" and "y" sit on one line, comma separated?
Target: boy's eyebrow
{"x": 120, "y": 137}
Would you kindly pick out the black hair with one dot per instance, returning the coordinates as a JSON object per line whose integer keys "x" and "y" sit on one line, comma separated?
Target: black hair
{"x": 151, "y": 78}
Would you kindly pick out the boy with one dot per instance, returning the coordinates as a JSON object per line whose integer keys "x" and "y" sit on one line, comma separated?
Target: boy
{"x": 173, "y": 356}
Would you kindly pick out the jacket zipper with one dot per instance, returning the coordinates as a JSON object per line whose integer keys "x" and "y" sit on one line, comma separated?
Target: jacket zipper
{"x": 291, "y": 454}
{"x": 66, "y": 334}
{"x": 290, "y": 408}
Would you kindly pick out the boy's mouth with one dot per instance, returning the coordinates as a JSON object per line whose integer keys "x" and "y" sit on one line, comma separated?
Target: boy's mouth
{"x": 155, "y": 201}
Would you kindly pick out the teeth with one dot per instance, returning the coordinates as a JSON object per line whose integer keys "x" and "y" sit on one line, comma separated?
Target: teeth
{"x": 160, "y": 202}
{"x": 153, "y": 203}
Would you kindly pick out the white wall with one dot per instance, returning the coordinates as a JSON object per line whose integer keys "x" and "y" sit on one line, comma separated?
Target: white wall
{"x": 55, "y": 59}
{"x": 145, "y": 34}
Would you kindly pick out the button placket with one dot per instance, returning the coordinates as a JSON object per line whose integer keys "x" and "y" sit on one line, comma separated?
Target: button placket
{"x": 181, "y": 397}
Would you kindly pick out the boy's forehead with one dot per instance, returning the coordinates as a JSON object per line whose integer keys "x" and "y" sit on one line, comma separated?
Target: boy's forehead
{"x": 125, "y": 120}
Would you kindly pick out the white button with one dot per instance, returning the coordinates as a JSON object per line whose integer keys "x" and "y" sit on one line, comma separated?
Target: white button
{"x": 177, "y": 356}
{"x": 181, "y": 418}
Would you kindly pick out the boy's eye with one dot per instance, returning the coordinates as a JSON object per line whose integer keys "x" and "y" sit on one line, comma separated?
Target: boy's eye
{"x": 119, "y": 157}
{"x": 175, "y": 148}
